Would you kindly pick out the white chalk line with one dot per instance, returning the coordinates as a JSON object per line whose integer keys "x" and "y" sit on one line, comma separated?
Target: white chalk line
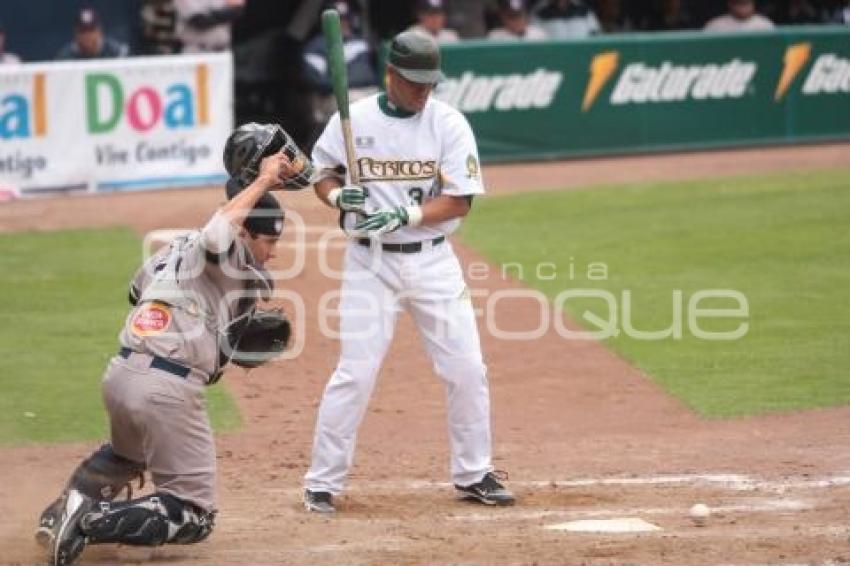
{"x": 733, "y": 482}
{"x": 729, "y": 481}
{"x": 518, "y": 514}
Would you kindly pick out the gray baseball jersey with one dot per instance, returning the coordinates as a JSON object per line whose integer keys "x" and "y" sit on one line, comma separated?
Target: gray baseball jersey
{"x": 187, "y": 297}
{"x": 190, "y": 293}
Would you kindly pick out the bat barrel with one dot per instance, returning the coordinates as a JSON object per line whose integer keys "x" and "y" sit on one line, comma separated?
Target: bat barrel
{"x": 336, "y": 59}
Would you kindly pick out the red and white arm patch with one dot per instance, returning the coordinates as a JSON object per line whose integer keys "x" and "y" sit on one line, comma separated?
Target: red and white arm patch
{"x": 150, "y": 319}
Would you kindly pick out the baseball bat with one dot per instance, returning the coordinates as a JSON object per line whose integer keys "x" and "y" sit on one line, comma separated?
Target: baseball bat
{"x": 339, "y": 79}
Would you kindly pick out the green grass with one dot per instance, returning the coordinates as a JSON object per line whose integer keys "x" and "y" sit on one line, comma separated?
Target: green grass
{"x": 63, "y": 299}
{"x": 781, "y": 240}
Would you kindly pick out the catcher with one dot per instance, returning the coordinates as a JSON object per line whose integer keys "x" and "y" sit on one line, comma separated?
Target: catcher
{"x": 193, "y": 311}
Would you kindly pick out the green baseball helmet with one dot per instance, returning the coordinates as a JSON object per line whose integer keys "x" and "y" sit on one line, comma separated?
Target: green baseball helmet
{"x": 416, "y": 57}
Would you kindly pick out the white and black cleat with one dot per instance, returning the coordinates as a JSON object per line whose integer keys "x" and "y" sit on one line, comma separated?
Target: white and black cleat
{"x": 48, "y": 522}
{"x": 488, "y": 491}
{"x": 318, "y": 501}
{"x": 70, "y": 539}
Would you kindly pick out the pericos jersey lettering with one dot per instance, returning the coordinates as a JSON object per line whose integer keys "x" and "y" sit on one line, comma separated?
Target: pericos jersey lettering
{"x": 392, "y": 170}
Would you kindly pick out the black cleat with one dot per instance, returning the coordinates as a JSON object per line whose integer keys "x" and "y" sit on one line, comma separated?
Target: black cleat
{"x": 488, "y": 491}
{"x": 70, "y": 539}
{"x": 318, "y": 501}
{"x": 48, "y": 522}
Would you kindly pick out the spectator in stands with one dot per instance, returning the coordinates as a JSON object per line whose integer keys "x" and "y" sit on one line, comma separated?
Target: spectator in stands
{"x": 158, "y": 27}
{"x": 742, "y": 16}
{"x": 566, "y": 19}
{"x": 6, "y": 58}
{"x": 663, "y": 15}
{"x": 467, "y": 17}
{"x": 89, "y": 40}
{"x": 672, "y": 15}
{"x": 841, "y": 15}
{"x": 431, "y": 20}
{"x": 612, "y": 17}
{"x": 362, "y": 77}
{"x": 514, "y": 23}
{"x": 204, "y": 25}
{"x": 796, "y": 12}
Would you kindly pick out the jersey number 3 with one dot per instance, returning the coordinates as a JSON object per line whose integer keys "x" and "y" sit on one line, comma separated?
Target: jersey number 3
{"x": 417, "y": 195}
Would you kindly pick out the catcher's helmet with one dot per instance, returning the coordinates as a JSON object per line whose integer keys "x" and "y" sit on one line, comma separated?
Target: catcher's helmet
{"x": 250, "y": 143}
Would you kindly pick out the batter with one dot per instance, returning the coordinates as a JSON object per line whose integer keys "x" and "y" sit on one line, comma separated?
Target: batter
{"x": 418, "y": 170}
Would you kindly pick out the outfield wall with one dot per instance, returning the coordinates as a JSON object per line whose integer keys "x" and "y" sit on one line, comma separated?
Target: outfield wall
{"x": 124, "y": 124}
{"x": 152, "y": 122}
{"x": 651, "y": 92}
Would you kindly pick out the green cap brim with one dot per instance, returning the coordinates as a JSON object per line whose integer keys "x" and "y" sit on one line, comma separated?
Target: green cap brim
{"x": 424, "y": 76}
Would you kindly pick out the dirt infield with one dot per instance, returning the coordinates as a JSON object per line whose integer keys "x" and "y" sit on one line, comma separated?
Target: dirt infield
{"x": 582, "y": 433}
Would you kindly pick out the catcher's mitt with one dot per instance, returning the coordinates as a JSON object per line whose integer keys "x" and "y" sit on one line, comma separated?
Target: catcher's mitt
{"x": 261, "y": 339}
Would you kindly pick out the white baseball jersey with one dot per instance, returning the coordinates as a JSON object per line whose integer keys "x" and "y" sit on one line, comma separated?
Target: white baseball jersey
{"x": 405, "y": 159}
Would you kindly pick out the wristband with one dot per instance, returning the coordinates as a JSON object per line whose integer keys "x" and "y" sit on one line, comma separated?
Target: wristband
{"x": 333, "y": 196}
{"x": 414, "y": 215}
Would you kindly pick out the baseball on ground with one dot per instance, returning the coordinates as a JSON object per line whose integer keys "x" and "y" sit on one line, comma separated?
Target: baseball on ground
{"x": 699, "y": 512}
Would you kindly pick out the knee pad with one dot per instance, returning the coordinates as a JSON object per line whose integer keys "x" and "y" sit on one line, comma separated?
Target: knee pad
{"x": 148, "y": 521}
{"x": 104, "y": 474}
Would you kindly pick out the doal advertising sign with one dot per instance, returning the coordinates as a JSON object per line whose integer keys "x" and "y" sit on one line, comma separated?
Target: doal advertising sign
{"x": 115, "y": 124}
{"x": 651, "y": 92}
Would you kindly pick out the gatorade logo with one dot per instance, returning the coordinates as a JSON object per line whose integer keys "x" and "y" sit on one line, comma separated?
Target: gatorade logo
{"x": 476, "y": 93}
{"x": 601, "y": 69}
{"x": 829, "y": 75}
{"x": 640, "y": 83}
{"x": 796, "y": 57}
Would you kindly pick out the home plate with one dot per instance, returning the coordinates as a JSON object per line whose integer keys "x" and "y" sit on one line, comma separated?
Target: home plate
{"x": 626, "y": 525}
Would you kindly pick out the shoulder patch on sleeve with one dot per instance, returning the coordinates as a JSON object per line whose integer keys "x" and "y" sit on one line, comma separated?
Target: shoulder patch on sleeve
{"x": 473, "y": 170}
{"x": 151, "y": 319}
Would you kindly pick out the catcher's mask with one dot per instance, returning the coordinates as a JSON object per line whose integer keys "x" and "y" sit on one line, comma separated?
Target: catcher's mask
{"x": 250, "y": 143}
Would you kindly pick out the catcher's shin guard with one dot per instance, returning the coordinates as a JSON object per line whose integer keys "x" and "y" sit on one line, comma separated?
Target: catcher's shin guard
{"x": 104, "y": 474}
{"x": 100, "y": 476}
{"x": 148, "y": 521}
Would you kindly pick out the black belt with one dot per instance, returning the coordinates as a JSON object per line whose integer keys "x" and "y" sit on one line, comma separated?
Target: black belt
{"x": 408, "y": 248}
{"x": 160, "y": 363}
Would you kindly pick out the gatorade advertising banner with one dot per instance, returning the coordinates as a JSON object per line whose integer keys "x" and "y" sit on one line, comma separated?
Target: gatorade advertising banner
{"x": 651, "y": 92}
{"x": 107, "y": 125}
